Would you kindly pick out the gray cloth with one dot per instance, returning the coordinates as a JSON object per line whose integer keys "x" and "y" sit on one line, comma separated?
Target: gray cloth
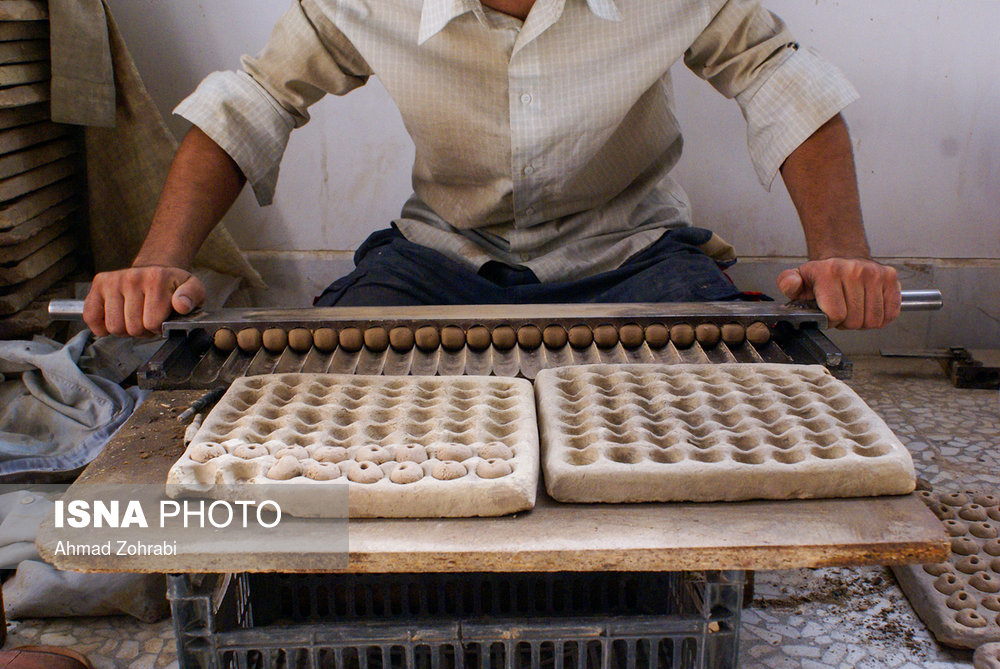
{"x": 39, "y": 590}
{"x": 54, "y": 417}
{"x": 83, "y": 80}
{"x": 129, "y": 148}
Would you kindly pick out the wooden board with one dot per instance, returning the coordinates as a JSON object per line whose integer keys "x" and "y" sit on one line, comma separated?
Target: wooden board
{"x": 18, "y": 30}
{"x": 552, "y": 537}
{"x": 10, "y": 118}
{"x": 24, "y": 210}
{"x": 24, "y": 73}
{"x": 18, "y": 96}
{"x": 17, "y": 297}
{"x": 23, "y": 10}
{"x": 15, "y": 139}
{"x": 36, "y": 156}
{"x": 22, "y": 184}
{"x": 25, "y": 51}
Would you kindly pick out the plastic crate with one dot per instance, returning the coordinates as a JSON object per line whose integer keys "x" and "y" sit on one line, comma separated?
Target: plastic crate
{"x": 605, "y": 620}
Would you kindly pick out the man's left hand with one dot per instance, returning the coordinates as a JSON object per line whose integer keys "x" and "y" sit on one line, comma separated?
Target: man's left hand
{"x": 854, "y": 293}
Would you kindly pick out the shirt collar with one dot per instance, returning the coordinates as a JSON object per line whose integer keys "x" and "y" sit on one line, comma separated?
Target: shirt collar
{"x": 436, "y": 14}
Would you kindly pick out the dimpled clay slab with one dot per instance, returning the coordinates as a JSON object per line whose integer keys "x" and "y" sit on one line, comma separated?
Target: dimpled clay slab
{"x": 661, "y": 433}
{"x": 959, "y": 599}
{"x": 406, "y": 447}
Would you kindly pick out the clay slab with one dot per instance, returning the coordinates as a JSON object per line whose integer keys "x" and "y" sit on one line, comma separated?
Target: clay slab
{"x": 349, "y": 429}
{"x": 959, "y": 600}
{"x": 702, "y": 433}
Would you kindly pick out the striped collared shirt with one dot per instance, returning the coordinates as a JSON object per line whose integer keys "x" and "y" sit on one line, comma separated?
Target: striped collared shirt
{"x": 546, "y": 143}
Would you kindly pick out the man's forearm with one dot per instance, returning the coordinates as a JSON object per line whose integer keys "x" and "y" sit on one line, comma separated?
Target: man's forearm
{"x": 822, "y": 183}
{"x": 202, "y": 184}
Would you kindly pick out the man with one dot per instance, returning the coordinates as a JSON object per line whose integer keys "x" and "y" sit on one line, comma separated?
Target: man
{"x": 544, "y": 138}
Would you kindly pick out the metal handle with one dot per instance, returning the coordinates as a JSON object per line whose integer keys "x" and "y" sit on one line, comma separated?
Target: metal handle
{"x": 913, "y": 300}
{"x": 66, "y": 310}
{"x": 921, "y": 300}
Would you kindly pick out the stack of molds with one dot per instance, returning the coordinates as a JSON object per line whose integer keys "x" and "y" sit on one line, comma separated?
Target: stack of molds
{"x": 658, "y": 433}
{"x": 404, "y": 446}
{"x": 959, "y": 599}
{"x": 40, "y": 170}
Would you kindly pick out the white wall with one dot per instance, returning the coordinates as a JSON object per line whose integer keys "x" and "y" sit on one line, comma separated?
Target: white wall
{"x": 926, "y": 131}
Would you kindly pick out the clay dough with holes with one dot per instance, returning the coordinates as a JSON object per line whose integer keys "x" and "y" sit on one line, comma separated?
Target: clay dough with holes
{"x": 987, "y": 657}
{"x": 704, "y": 433}
{"x": 959, "y": 599}
{"x": 403, "y": 446}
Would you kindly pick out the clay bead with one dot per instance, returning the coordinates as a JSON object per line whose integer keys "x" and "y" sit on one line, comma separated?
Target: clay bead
{"x": 297, "y": 452}
{"x": 758, "y": 333}
{"x": 970, "y": 618}
{"x": 964, "y": 546}
{"x": 401, "y": 339}
{"x": 406, "y": 472}
{"x": 493, "y": 468}
{"x": 478, "y": 338}
{"x": 250, "y": 451}
{"x": 205, "y": 452}
{"x": 580, "y": 336}
{"x": 970, "y": 564}
{"x": 457, "y": 452}
{"x": 351, "y": 339}
{"x": 376, "y": 339}
{"x": 631, "y": 335}
{"x": 984, "y": 581}
{"x": 427, "y": 338}
{"x": 992, "y": 603}
{"x": 955, "y": 499}
{"x": 504, "y": 337}
{"x": 325, "y": 339}
{"x": 682, "y": 335}
{"x": 938, "y": 568}
{"x": 452, "y": 338}
{"x": 275, "y": 340}
{"x": 449, "y": 470}
{"x": 411, "y": 453}
{"x": 984, "y": 530}
{"x": 300, "y": 340}
{"x": 555, "y": 336}
{"x": 973, "y": 512}
{"x": 365, "y": 472}
{"x": 249, "y": 340}
{"x": 708, "y": 334}
{"x": 495, "y": 449}
{"x": 332, "y": 454}
{"x": 376, "y": 454}
{"x": 947, "y": 584}
{"x": 605, "y": 336}
{"x": 992, "y": 547}
{"x": 224, "y": 339}
{"x": 529, "y": 337}
{"x": 960, "y": 600}
{"x": 733, "y": 334}
{"x": 322, "y": 471}
{"x": 657, "y": 335}
{"x": 286, "y": 468}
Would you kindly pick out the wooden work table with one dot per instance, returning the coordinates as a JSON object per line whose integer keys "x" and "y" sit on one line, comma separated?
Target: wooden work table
{"x": 552, "y": 537}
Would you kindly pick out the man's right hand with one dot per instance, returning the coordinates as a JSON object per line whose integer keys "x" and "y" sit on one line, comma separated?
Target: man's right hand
{"x": 136, "y": 301}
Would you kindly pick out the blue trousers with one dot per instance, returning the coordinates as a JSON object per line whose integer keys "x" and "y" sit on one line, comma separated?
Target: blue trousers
{"x": 392, "y": 271}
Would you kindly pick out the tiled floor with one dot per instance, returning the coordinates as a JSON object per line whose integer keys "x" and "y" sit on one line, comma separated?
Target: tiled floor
{"x": 805, "y": 619}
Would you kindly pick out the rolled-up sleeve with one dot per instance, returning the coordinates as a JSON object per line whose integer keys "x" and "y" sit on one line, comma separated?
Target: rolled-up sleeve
{"x": 785, "y": 93}
{"x": 251, "y": 113}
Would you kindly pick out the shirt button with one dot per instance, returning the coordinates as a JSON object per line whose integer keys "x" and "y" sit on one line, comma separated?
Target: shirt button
{"x": 529, "y": 211}
{"x": 528, "y": 170}
{"x": 525, "y": 98}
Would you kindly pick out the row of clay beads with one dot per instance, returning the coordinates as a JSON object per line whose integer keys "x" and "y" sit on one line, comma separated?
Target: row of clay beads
{"x": 479, "y": 338}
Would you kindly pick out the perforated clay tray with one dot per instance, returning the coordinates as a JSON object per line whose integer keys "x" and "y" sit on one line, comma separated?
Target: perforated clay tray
{"x": 659, "y": 433}
{"x": 959, "y": 600}
{"x": 406, "y": 446}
